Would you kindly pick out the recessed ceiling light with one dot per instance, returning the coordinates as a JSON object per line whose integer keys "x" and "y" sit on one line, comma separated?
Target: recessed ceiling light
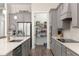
{"x": 4, "y": 11}
{"x": 15, "y": 17}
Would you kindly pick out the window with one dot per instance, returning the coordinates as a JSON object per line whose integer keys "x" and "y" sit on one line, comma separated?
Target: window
{"x": 2, "y": 24}
{"x": 23, "y": 29}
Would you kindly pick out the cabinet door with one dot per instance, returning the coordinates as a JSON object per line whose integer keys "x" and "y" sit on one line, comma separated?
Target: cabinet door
{"x": 59, "y": 21}
{"x": 66, "y": 11}
{"x": 12, "y": 21}
{"x": 57, "y": 49}
{"x": 27, "y": 47}
{"x": 70, "y": 53}
{"x": 24, "y": 49}
{"x": 27, "y": 16}
{"x": 63, "y": 50}
{"x": 74, "y": 14}
{"x": 65, "y": 8}
{"x": 53, "y": 45}
{"x": 2, "y": 5}
{"x": 53, "y": 21}
{"x": 17, "y": 51}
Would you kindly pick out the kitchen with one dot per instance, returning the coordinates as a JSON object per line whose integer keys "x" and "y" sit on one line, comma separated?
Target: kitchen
{"x": 17, "y": 33}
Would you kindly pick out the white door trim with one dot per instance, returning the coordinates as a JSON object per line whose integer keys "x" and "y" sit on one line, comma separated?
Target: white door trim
{"x": 33, "y": 30}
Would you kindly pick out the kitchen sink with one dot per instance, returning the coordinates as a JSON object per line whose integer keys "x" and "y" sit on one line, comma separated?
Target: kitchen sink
{"x": 68, "y": 41}
{"x": 15, "y": 40}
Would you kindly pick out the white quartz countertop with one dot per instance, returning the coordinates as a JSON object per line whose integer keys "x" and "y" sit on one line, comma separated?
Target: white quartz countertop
{"x": 72, "y": 46}
{"x": 6, "y": 47}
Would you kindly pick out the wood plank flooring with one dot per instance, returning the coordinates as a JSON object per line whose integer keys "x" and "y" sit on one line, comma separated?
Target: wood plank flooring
{"x": 40, "y": 50}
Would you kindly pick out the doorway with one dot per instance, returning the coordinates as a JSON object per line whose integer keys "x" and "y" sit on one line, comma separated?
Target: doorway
{"x": 41, "y": 28}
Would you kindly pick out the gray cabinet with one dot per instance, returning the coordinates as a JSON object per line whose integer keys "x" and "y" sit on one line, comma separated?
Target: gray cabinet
{"x": 53, "y": 21}
{"x": 53, "y": 45}
{"x": 70, "y": 53}
{"x": 26, "y": 48}
{"x": 2, "y": 5}
{"x": 66, "y": 10}
{"x": 67, "y": 52}
{"x": 58, "y": 49}
{"x": 75, "y": 13}
{"x": 63, "y": 50}
{"x": 20, "y": 17}
{"x": 63, "y": 12}
{"x": 21, "y": 50}
{"x": 17, "y": 51}
{"x": 24, "y": 16}
{"x": 59, "y": 21}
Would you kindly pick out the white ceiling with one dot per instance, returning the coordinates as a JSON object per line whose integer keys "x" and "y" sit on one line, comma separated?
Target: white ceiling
{"x": 43, "y": 6}
{"x": 15, "y": 7}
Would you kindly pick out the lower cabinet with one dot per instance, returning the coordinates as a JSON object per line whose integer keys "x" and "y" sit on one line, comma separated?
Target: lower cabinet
{"x": 21, "y": 50}
{"x": 17, "y": 51}
{"x": 56, "y": 48}
{"x": 53, "y": 46}
{"x": 63, "y": 50}
{"x": 26, "y": 48}
{"x": 59, "y": 49}
{"x": 70, "y": 53}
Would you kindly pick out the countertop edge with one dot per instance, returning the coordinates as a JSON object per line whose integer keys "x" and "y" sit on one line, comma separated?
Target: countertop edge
{"x": 65, "y": 45}
{"x": 19, "y": 43}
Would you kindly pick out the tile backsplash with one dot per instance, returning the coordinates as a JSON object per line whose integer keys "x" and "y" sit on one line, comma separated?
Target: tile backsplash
{"x": 72, "y": 34}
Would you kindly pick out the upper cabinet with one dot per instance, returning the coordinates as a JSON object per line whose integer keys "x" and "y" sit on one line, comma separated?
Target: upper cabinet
{"x": 65, "y": 11}
{"x": 75, "y": 14}
{"x": 64, "y": 15}
{"x": 2, "y": 5}
{"x": 23, "y": 16}
{"x": 59, "y": 20}
{"x": 53, "y": 20}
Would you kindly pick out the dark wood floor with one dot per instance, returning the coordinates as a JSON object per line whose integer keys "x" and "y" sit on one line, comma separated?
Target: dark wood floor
{"x": 41, "y": 50}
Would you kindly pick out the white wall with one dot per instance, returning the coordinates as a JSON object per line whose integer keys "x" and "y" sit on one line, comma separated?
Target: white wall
{"x": 72, "y": 34}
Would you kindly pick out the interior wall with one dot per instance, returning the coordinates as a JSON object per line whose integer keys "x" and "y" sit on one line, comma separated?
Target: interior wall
{"x": 41, "y": 7}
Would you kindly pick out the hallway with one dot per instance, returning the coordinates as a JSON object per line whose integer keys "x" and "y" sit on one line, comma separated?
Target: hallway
{"x": 41, "y": 50}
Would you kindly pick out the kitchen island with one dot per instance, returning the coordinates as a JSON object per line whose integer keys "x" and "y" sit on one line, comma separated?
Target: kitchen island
{"x": 6, "y": 47}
